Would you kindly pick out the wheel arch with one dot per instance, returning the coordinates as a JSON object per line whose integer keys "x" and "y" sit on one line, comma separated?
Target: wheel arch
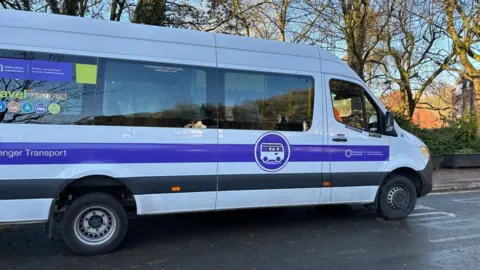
{"x": 408, "y": 172}
{"x": 88, "y": 184}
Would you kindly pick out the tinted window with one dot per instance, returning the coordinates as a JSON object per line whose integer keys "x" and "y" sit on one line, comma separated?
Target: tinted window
{"x": 262, "y": 101}
{"x": 347, "y": 103}
{"x": 45, "y": 88}
{"x": 154, "y": 94}
{"x": 353, "y": 107}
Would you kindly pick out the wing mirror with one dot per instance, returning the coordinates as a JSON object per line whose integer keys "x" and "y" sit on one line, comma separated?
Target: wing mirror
{"x": 389, "y": 122}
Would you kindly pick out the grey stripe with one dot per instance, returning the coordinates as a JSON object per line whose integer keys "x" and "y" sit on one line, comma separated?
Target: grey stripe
{"x": 354, "y": 179}
{"x": 30, "y": 188}
{"x": 269, "y": 181}
{"x": 301, "y": 180}
{"x": 164, "y": 184}
{"x": 51, "y": 188}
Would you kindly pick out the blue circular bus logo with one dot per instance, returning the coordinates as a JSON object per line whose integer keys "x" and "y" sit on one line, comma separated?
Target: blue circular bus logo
{"x": 272, "y": 152}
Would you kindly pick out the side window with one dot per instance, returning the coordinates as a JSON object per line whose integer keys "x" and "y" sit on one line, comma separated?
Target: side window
{"x": 154, "y": 94}
{"x": 264, "y": 101}
{"x": 347, "y": 103}
{"x": 353, "y": 107}
{"x": 46, "y": 88}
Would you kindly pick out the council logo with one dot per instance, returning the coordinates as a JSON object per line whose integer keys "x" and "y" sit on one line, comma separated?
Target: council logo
{"x": 13, "y": 107}
{"x": 348, "y": 153}
{"x": 272, "y": 151}
{"x": 54, "y": 108}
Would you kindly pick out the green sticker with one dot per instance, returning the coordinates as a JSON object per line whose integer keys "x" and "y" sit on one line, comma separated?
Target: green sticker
{"x": 54, "y": 108}
{"x": 86, "y": 74}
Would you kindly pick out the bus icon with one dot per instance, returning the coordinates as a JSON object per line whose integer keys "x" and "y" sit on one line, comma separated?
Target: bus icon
{"x": 272, "y": 152}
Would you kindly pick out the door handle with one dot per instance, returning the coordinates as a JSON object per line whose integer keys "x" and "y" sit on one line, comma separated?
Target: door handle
{"x": 339, "y": 139}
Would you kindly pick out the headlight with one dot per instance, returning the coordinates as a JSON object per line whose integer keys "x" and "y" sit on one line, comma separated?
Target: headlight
{"x": 425, "y": 151}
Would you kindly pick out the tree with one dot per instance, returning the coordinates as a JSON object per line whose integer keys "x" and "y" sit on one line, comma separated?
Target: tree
{"x": 438, "y": 98}
{"x": 238, "y": 17}
{"x": 117, "y": 7}
{"x": 283, "y": 20}
{"x": 150, "y": 12}
{"x": 414, "y": 55}
{"x": 357, "y": 25}
{"x": 81, "y": 8}
{"x": 18, "y": 5}
{"x": 463, "y": 26}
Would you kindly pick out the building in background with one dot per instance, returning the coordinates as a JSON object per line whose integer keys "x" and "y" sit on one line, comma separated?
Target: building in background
{"x": 430, "y": 110}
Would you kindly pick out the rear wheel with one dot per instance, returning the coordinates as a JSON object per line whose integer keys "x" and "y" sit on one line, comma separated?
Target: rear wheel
{"x": 95, "y": 223}
{"x": 397, "y": 197}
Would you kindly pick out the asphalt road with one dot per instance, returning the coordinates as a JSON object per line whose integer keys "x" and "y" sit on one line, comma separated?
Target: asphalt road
{"x": 443, "y": 232}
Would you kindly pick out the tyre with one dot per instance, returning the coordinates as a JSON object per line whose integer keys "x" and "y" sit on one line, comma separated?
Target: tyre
{"x": 95, "y": 223}
{"x": 398, "y": 197}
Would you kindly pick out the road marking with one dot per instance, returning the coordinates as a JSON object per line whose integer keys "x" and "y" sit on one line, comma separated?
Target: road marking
{"x": 455, "y": 238}
{"x": 421, "y": 217}
{"x": 427, "y": 217}
{"x": 423, "y": 207}
{"x": 475, "y": 200}
{"x": 432, "y": 213}
{"x": 453, "y": 224}
{"x": 452, "y": 192}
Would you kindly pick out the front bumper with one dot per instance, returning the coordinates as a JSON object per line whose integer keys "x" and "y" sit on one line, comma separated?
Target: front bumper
{"x": 426, "y": 176}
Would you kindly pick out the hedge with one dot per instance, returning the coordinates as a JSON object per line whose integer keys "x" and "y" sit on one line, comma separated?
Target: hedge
{"x": 457, "y": 136}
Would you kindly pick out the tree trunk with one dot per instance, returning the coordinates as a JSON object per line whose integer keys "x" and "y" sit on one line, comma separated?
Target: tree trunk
{"x": 411, "y": 104}
{"x": 113, "y": 10}
{"x": 356, "y": 63}
{"x": 476, "y": 89}
{"x": 54, "y": 6}
{"x": 70, "y": 7}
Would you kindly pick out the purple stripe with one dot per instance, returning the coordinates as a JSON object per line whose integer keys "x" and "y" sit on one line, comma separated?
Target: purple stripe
{"x": 309, "y": 153}
{"x": 96, "y": 153}
{"x": 359, "y": 153}
{"x": 91, "y": 153}
{"x": 236, "y": 153}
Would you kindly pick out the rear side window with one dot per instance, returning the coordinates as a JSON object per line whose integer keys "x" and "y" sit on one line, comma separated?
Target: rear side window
{"x": 154, "y": 94}
{"x": 263, "y": 101}
{"x": 46, "y": 88}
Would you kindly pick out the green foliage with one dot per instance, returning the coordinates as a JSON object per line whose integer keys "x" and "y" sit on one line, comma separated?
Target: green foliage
{"x": 457, "y": 136}
{"x": 466, "y": 151}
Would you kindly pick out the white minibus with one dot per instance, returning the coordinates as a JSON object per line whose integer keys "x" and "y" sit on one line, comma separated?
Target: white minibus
{"x": 99, "y": 119}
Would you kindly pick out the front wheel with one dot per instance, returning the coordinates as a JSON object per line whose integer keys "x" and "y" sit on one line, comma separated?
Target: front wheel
{"x": 398, "y": 197}
{"x": 93, "y": 224}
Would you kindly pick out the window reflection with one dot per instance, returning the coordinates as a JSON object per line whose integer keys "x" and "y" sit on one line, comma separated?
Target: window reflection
{"x": 348, "y": 106}
{"x": 44, "y": 88}
{"x": 267, "y": 102}
{"x": 159, "y": 95}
